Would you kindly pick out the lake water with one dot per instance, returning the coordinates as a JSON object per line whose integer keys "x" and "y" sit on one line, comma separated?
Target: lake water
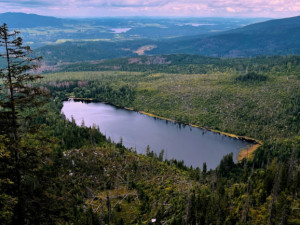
{"x": 193, "y": 145}
{"x": 120, "y": 30}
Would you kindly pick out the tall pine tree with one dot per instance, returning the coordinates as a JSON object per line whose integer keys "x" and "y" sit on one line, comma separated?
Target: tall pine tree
{"x": 18, "y": 95}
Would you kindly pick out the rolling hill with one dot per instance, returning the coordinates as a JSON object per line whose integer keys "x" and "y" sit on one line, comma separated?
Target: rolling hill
{"x": 23, "y": 20}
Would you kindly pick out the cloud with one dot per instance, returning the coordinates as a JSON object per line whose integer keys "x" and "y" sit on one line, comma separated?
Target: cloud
{"x": 93, "y": 8}
{"x": 26, "y": 3}
{"x": 229, "y": 9}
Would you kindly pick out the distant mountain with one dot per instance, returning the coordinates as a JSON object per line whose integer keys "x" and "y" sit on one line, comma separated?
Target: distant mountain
{"x": 23, "y": 20}
{"x": 274, "y": 37}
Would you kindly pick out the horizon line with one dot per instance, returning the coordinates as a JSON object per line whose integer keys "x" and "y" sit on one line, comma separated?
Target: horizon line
{"x": 146, "y": 16}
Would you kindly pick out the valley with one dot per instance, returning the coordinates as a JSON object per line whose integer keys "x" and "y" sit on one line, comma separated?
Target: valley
{"x": 257, "y": 98}
{"x": 135, "y": 154}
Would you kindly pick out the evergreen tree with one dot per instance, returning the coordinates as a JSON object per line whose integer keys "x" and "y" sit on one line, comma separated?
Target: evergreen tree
{"x": 18, "y": 98}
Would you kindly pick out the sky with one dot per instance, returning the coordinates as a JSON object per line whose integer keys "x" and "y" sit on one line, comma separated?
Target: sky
{"x": 184, "y": 8}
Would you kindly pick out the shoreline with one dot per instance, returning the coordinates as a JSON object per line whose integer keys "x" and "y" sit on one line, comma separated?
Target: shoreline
{"x": 244, "y": 153}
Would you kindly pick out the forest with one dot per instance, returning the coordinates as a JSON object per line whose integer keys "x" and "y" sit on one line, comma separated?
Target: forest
{"x": 190, "y": 64}
{"x": 55, "y": 172}
{"x": 258, "y": 100}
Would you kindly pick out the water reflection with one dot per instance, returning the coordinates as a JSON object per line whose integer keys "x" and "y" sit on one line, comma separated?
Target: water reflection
{"x": 182, "y": 142}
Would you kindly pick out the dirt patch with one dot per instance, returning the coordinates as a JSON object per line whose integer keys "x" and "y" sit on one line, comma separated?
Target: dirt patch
{"x": 141, "y": 50}
{"x": 247, "y": 153}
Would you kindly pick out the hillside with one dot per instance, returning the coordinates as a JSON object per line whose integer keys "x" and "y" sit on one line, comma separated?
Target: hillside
{"x": 84, "y": 51}
{"x": 274, "y": 37}
{"x": 22, "y": 20}
{"x": 181, "y": 63}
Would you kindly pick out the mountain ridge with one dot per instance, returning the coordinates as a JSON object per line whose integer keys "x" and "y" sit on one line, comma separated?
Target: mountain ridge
{"x": 24, "y": 20}
{"x": 273, "y": 37}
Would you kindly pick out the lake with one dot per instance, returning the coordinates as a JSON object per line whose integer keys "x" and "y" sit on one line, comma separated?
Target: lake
{"x": 120, "y": 30}
{"x": 182, "y": 142}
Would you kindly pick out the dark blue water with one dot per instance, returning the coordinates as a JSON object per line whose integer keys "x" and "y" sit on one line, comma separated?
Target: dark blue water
{"x": 193, "y": 145}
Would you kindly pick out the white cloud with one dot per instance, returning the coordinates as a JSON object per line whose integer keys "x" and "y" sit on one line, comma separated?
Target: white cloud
{"x": 229, "y": 9}
{"x": 258, "y": 8}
